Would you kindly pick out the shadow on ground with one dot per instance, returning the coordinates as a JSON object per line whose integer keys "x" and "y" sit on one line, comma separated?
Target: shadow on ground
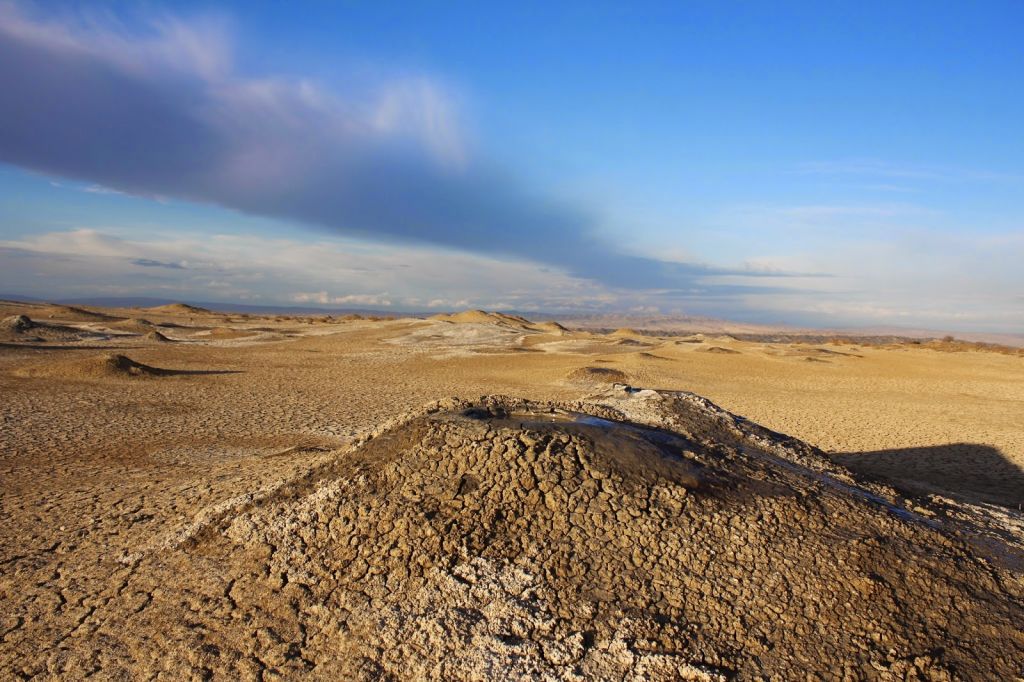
{"x": 975, "y": 472}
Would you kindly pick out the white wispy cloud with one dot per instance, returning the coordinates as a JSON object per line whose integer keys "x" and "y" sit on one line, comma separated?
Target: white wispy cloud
{"x": 942, "y": 279}
{"x": 321, "y": 271}
{"x": 324, "y": 298}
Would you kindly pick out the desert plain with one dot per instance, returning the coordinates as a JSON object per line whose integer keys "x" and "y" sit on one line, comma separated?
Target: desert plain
{"x": 194, "y": 494}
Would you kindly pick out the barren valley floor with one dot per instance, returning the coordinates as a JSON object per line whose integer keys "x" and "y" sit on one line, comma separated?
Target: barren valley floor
{"x": 103, "y": 458}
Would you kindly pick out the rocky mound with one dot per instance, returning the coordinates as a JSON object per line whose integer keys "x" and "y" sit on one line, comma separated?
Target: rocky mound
{"x": 178, "y": 309}
{"x": 597, "y": 375}
{"x": 510, "y": 540}
{"x": 75, "y": 314}
{"x": 627, "y": 333}
{"x": 138, "y": 325}
{"x": 22, "y": 328}
{"x": 483, "y": 317}
{"x": 17, "y": 324}
{"x": 551, "y": 327}
{"x": 96, "y": 367}
{"x": 720, "y": 350}
{"x": 157, "y": 337}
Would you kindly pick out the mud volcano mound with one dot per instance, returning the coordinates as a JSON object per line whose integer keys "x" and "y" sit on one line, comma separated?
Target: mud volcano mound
{"x": 17, "y": 324}
{"x": 75, "y": 314}
{"x": 719, "y": 350}
{"x": 483, "y": 317}
{"x": 178, "y": 309}
{"x": 692, "y": 338}
{"x": 96, "y": 367}
{"x": 597, "y": 375}
{"x": 23, "y": 328}
{"x": 506, "y": 540}
{"x": 137, "y": 325}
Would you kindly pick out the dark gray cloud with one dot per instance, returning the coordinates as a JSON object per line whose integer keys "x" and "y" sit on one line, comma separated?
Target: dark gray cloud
{"x": 166, "y": 115}
{"x": 150, "y": 263}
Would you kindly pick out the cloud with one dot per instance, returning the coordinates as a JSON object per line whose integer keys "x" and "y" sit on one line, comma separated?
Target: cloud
{"x": 918, "y": 276}
{"x": 160, "y": 110}
{"x": 328, "y": 271}
{"x": 100, "y": 189}
{"x": 323, "y": 298}
{"x": 325, "y": 271}
{"x": 150, "y": 263}
{"x": 963, "y": 282}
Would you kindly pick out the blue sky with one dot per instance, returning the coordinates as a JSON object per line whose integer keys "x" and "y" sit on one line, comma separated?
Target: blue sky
{"x": 832, "y": 164}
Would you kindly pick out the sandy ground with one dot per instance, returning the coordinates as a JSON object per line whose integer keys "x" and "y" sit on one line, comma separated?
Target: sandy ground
{"x": 96, "y": 462}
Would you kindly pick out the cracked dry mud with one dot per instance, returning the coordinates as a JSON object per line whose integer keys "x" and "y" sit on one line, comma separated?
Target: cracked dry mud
{"x": 227, "y": 514}
{"x": 642, "y": 536}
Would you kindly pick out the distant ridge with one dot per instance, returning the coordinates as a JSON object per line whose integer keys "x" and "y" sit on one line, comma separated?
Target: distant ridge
{"x": 179, "y": 309}
{"x": 657, "y": 325}
{"x": 148, "y": 303}
{"x": 483, "y": 317}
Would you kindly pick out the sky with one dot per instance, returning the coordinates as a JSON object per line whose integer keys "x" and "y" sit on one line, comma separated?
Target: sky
{"x": 813, "y": 164}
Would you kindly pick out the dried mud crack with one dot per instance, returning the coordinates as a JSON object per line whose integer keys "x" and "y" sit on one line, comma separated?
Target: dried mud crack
{"x": 639, "y": 535}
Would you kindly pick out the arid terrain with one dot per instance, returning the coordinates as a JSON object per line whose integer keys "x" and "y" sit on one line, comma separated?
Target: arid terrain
{"x": 477, "y": 496}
